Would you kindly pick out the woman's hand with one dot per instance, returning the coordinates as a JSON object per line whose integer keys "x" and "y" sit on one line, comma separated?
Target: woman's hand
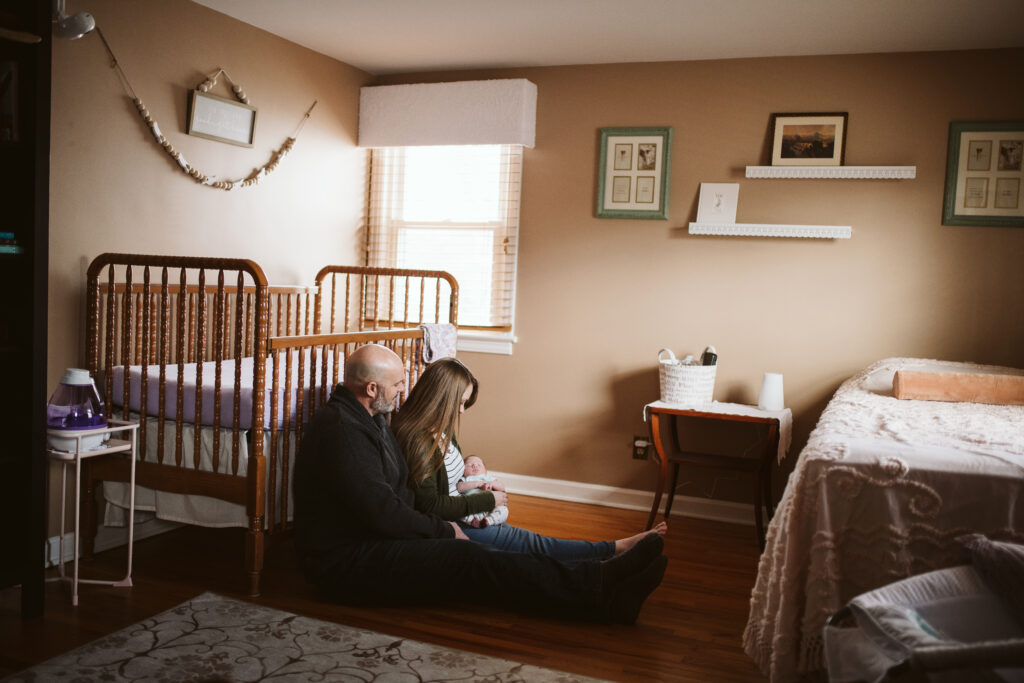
{"x": 500, "y": 498}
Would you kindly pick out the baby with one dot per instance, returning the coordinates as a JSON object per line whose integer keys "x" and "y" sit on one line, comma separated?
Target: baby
{"x": 476, "y": 480}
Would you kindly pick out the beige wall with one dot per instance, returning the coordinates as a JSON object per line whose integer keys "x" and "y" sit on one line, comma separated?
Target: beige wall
{"x": 599, "y": 297}
{"x": 113, "y": 188}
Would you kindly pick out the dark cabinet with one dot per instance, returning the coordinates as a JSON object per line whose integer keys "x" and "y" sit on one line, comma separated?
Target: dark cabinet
{"x": 24, "y": 247}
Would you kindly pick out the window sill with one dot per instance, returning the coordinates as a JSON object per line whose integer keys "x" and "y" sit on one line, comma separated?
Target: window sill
{"x": 476, "y": 341}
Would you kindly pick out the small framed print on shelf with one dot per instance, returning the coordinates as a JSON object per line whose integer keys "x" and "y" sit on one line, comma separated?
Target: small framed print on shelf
{"x": 809, "y": 139}
{"x": 717, "y": 202}
{"x": 985, "y": 174}
{"x": 633, "y": 173}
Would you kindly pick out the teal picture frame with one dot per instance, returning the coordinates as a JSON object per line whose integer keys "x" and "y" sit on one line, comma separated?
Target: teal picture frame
{"x": 634, "y": 170}
{"x": 984, "y": 174}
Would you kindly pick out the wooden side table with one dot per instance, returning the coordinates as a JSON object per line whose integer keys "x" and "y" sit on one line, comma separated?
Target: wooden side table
{"x": 673, "y": 451}
{"x": 112, "y": 446}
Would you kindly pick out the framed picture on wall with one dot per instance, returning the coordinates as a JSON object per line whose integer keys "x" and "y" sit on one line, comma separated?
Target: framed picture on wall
{"x": 218, "y": 118}
{"x": 809, "y": 139}
{"x": 985, "y": 174}
{"x": 633, "y": 172}
{"x": 717, "y": 202}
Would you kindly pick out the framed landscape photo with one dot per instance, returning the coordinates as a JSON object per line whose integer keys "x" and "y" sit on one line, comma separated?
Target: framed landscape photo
{"x": 633, "y": 173}
{"x": 809, "y": 139}
{"x": 985, "y": 174}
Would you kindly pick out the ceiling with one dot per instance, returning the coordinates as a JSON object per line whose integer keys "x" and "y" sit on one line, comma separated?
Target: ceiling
{"x": 398, "y": 36}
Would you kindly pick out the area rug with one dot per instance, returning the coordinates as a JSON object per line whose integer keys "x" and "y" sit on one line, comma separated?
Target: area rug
{"x": 212, "y": 638}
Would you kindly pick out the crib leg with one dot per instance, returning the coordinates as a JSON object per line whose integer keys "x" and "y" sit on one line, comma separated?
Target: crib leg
{"x": 254, "y": 553}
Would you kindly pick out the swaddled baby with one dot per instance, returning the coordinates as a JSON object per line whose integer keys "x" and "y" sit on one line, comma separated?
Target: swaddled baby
{"x": 476, "y": 480}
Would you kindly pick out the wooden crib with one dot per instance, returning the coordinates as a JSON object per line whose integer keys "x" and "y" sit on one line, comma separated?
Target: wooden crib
{"x": 227, "y": 369}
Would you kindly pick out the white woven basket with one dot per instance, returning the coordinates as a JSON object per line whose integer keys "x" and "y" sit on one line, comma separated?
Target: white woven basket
{"x": 691, "y": 385}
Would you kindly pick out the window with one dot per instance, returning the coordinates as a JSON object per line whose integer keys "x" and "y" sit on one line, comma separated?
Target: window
{"x": 455, "y": 209}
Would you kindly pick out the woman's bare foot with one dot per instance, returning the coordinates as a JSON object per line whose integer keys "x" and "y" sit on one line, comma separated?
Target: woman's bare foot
{"x": 624, "y": 544}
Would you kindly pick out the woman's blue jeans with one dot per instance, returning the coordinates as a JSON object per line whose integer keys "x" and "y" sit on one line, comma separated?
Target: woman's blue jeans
{"x": 513, "y": 539}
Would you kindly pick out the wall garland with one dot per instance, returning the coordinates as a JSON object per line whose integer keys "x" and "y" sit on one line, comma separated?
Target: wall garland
{"x": 208, "y": 83}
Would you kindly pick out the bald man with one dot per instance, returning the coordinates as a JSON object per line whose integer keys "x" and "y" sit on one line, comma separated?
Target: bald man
{"x": 361, "y": 541}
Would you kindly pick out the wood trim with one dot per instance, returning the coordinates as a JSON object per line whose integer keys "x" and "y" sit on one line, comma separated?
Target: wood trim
{"x": 310, "y": 340}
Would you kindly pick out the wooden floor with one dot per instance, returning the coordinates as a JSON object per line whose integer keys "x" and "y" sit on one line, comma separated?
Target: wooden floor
{"x": 689, "y": 630}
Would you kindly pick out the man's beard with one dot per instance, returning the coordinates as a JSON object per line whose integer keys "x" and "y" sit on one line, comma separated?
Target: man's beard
{"x": 381, "y": 405}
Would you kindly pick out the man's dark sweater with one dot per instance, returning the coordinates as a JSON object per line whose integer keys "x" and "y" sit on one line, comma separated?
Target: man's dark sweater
{"x": 350, "y": 488}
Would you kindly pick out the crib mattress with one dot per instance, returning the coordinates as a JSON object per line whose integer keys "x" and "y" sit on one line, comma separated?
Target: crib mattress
{"x": 200, "y": 380}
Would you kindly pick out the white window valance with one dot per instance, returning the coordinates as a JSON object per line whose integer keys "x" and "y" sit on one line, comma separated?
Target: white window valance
{"x": 492, "y": 112}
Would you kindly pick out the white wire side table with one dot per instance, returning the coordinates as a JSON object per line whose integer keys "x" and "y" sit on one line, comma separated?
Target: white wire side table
{"x": 112, "y": 446}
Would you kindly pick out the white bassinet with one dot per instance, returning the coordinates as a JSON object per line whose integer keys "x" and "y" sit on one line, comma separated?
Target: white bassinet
{"x": 945, "y": 625}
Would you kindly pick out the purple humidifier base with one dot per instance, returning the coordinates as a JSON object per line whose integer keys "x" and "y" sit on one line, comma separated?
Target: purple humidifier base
{"x": 75, "y": 406}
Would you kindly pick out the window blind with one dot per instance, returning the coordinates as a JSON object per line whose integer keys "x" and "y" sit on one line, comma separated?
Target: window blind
{"x": 453, "y": 208}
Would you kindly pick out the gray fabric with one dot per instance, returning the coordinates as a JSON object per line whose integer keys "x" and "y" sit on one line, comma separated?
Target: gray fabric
{"x": 1001, "y": 566}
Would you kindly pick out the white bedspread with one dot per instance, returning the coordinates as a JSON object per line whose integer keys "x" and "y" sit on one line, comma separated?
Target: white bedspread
{"x": 880, "y": 492}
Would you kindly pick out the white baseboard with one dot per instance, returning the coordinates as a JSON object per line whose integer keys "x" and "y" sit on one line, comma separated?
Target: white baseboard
{"x": 629, "y": 499}
{"x": 106, "y": 538}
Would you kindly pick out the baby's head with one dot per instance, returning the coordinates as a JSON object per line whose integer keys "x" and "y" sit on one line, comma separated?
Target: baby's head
{"x": 475, "y": 466}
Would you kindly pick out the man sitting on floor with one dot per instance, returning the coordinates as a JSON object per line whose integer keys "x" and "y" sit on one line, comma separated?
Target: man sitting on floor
{"x": 361, "y": 542}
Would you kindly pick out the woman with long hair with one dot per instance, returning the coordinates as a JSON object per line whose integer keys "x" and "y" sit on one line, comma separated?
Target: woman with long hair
{"x": 425, "y": 427}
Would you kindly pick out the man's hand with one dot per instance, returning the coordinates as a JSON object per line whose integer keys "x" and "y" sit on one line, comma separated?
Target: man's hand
{"x": 500, "y": 498}
{"x": 459, "y": 533}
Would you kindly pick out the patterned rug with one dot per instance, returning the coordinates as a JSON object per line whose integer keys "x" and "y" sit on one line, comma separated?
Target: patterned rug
{"x": 212, "y": 638}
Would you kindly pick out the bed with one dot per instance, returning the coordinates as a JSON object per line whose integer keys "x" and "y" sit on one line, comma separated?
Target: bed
{"x": 880, "y": 493}
{"x": 222, "y": 370}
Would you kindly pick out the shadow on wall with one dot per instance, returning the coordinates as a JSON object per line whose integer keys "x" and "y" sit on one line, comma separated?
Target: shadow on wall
{"x": 593, "y": 441}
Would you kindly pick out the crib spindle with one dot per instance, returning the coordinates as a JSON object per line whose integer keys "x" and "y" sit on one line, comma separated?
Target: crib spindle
{"x": 275, "y": 409}
{"x": 289, "y": 361}
{"x": 220, "y": 329}
{"x": 376, "y": 299}
{"x": 305, "y": 356}
{"x": 184, "y": 334}
{"x": 391, "y": 301}
{"x": 237, "y": 394}
{"x": 422, "y": 300}
{"x": 162, "y": 353}
{"x": 111, "y": 336}
{"x": 200, "y": 354}
{"x": 126, "y": 329}
{"x": 437, "y": 302}
{"x": 348, "y": 302}
{"x": 143, "y": 341}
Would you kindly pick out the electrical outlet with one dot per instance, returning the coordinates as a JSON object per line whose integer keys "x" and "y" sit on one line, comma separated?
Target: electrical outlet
{"x": 640, "y": 446}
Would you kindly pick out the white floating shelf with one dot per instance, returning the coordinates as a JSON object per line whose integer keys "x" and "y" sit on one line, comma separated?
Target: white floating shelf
{"x": 859, "y": 172}
{"x": 772, "y": 230}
